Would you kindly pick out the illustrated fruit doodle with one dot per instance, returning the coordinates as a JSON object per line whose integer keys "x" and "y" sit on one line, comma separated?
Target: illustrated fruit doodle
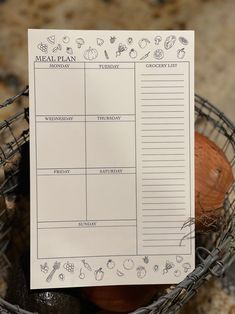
{"x": 44, "y": 268}
{"x": 43, "y": 47}
{"x": 99, "y": 41}
{"x": 69, "y": 267}
{"x": 61, "y": 276}
{"x": 110, "y": 264}
{"x": 177, "y": 273}
{"x": 81, "y": 274}
{"x": 146, "y": 259}
{"x": 112, "y": 39}
{"x": 143, "y": 42}
{"x": 168, "y": 266}
{"x": 66, "y": 39}
{"x": 186, "y": 267}
{"x": 155, "y": 268}
{"x": 128, "y": 264}
{"x": 141, "y": 272}
{"x": 119, "y": 273}
{"x": 69, "y": 50}
{"x": 133, "y": 53}
{"x": 183, "y": 40}
{"x": 51, "y": 39}
{"x": 129, "y": 40}
{"x": 179, "y": 258}
{"x": 180, "y": 53}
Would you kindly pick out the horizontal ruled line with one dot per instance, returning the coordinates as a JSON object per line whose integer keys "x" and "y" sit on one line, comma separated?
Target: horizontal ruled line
{"x": 167, "y": 196}
{"x": 166, "y": 86}
{"x": 153, "y": 221}
{"x": 164, "y": 245}
{"x": 158, "y": 74}
{"x": 165, "y": 172}
{"x": 162, "y": 123}
{"x": 144, "y": 111}
{"x": 144, "y": 148}
{"x": 163, "y": 154}
{"x": 165, "y": 117}
{"x": 162, "y": 209}
{"x": 162, "y": 135}
{"x": 163, "y": 105}
{"x": 162, "y": 99}
{"x": 144, "y": 142}
{"x": 155, "y": 93}
{"x": 160, "y": 160}
{"x": 162, "y": 216}
{"x": 150, "y": 130}
{"x": 163, "y": 179}
{"x": 168, "y": 166}
{"x": 149, "y": 191}
{"x": 162, "y": 227}
{"x": 161, "y": 203}
{"x": 163, "y": 233}
{"x": 172, "y": 184}
{"x": 152, "y": 240}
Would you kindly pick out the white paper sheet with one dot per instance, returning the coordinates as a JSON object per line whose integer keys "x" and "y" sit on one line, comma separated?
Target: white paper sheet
{"x": 112, "y": 157}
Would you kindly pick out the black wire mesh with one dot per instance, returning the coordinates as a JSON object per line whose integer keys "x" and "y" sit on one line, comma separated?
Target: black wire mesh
{"x": 211, "y": 262}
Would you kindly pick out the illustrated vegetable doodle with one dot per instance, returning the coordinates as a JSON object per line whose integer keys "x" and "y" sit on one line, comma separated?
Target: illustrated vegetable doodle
{"x": 158, "y": 54}
{"x": 90, "y": 54}
{"x": 86, "y": 265}
{"x": 99, "y": 274}
{"x": 121, "y": 48}
{"x": 169, "y": 42}
{"x": 157, "y": 40}
{"x": 80, "y": 42}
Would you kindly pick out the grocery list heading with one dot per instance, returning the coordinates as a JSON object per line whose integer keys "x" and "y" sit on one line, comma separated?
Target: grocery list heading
{"x": 112, "y": 157}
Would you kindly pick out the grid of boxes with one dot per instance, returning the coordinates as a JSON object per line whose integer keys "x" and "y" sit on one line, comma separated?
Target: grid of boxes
{"x": 88, "y": 158}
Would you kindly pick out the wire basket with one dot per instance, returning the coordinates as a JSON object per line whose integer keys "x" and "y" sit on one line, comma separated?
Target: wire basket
{"x": 212, "y": 260}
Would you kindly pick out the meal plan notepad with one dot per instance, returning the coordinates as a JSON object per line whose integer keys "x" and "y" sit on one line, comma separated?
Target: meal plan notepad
{"x": 112, "y": 157}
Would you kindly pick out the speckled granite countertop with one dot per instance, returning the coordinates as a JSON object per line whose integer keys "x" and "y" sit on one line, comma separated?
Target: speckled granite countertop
{"x": 212, "y": 20}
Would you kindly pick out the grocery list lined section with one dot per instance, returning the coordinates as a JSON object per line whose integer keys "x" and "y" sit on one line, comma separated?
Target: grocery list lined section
{"x": 162, "y": 96}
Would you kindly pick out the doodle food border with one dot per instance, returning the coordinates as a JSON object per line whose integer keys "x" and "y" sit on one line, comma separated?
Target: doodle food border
{"x": 140, "y": 268}
{"x": 103, "y": 48}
